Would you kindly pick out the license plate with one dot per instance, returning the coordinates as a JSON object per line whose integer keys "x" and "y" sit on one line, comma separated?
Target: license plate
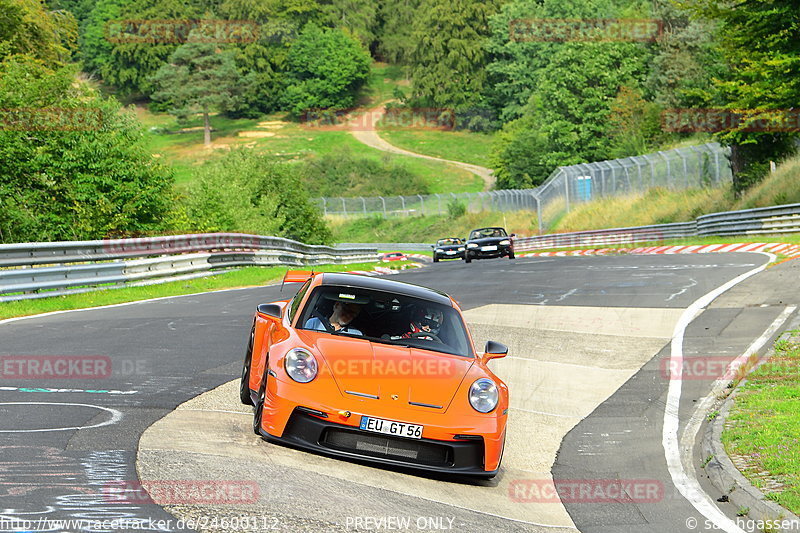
{"x": 450, "y": 252}
{"x": 389, "y": 427}
{"x": 489, "y": 248}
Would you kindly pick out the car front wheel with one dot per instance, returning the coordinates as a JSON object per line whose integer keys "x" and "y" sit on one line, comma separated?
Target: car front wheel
{"x": 244, "y": 386}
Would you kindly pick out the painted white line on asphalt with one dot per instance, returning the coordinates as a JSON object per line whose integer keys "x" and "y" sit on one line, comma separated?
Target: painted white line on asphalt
{"x": 116, "y": 416}
{"x": 684, "y": 479}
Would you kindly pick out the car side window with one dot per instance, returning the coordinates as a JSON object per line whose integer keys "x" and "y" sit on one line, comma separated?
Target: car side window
{"x": 295, "y": 305}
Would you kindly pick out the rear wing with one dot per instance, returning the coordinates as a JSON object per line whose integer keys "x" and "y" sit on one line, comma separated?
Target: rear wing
{"x": 298, "y": 276}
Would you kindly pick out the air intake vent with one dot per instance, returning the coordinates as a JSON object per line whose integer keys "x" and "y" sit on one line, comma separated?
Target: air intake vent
{"x": 379, "y": 446}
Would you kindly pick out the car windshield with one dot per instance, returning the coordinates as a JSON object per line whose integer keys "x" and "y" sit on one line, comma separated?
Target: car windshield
{"x": 386, "y": 318}
{"x": 448, "y": 242}
{"x": 488, "y": 232}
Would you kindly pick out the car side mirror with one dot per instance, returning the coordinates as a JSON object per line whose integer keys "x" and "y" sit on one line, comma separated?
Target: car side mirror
{"x": 494, "y": 350}
{"x": 433, "y": 246}
{"x": 273, "y": 310}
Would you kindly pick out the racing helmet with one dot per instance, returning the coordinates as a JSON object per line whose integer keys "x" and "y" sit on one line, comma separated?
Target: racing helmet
{"x": 427, "y": 316}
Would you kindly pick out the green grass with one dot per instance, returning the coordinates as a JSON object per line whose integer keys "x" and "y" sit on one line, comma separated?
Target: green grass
{"x": 383, "y": 80}
{"x": 463, "y": 146}
{"x": 764, "y": 424}
{"x": 290, "y": 141}
{"x": 426, "y": 229}
{"x": 246, "y": 277}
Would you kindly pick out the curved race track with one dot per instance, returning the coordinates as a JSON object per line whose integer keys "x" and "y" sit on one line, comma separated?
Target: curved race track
{"x": 588, "y": 336}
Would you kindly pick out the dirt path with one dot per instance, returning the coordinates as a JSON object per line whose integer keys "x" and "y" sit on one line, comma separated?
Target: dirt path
{"x": 364, "y": 131}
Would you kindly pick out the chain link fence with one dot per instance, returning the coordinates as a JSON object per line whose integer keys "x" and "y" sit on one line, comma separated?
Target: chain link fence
{"x": 705, "y": 165}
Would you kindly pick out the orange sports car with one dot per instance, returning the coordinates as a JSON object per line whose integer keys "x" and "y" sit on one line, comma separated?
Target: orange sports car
{"x": 375, "y": 370}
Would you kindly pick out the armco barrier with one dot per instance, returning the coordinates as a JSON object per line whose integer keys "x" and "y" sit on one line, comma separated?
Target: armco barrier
{"x": 49, "y": 269}
{"x": 760, "y": 221}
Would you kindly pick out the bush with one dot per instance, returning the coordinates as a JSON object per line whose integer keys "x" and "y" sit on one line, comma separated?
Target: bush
{"x": 456, "y": 209}
{"x": 251, "y": 193}
{"x": 341, "y": 173}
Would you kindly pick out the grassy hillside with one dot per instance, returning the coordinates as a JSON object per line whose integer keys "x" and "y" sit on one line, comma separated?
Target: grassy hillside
{"x": 453, "y": 145}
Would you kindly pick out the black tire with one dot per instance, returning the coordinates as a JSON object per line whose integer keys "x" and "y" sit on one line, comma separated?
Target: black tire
{"x": 511, "y": 255}
{"x": 244, "y": 386}
{"x": 258, "y": 411}
{"x": 435, "y": 259}
{"x": 468, "y": 258}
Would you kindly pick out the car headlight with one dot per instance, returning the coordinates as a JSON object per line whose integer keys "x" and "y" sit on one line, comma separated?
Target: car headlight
{"x": 438, "y": 250}
{"x": 472, "y": 245}
{"x": 300, "y": 365}
{"x": 483, "y": 395}
{"x": 461, "y": 249}
{"x": 505, "y": 242}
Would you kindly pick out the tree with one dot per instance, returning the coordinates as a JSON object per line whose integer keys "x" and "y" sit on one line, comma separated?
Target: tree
{"x": 356, "y": 17}
{"x": 761, "y": 45}
{"x": 396, "y": 39}
{"x": 448, "y": 60}
{"x": 27, "y": 27}
{"x": 634, "y": 124}
{"x": 73, "y": 165}
{"x": 199, "y": 78}
{"x": 324, "y": 70}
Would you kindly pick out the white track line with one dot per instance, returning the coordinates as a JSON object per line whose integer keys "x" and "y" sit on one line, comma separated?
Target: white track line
{"x": 683, "y": 478}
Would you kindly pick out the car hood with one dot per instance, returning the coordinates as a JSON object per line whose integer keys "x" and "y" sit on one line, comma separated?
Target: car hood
{"x": 489, "y": 240}
{"x": 450, "y": 247}
{"x": 415, "y": 376}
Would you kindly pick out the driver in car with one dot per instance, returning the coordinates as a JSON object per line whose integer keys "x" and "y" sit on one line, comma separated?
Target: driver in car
{"x": 343, "y": 314}
{"x": 425, "y": 324}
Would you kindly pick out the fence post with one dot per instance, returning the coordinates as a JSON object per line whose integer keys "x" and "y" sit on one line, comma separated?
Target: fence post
{"x": 422, "y": 202}
{"x": 685, "y": 169}
{"x": 344, "y": 207}
{"x": 403, "y": 201}
{"x": 364, "y": 204}
{"x": 669, "y": 170}
{"x": 383, "y": 202}
{"x": 439, "y": 201}
{"x": 324, "y": 207}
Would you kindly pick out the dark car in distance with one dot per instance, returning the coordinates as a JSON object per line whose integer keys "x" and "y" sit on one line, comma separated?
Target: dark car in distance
{"x": 448, "y": 248}
{"x": 484, "y": 243}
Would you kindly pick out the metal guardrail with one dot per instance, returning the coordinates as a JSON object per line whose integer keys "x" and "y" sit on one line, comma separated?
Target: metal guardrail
{"x": 39, "y": 270}
{"x": 607, "y": 237}
{"x": 760, "y": 221}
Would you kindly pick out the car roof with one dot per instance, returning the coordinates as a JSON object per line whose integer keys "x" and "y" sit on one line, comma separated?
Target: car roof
{"x": 379, "y": 284}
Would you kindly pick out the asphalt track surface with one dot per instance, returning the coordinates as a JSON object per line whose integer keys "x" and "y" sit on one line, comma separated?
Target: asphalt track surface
{"x": 163, "y": 353}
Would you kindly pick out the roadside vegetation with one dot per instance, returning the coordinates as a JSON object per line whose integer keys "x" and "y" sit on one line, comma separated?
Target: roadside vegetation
{"x": 245, "y": 277}
{"x": 763, "y": 427}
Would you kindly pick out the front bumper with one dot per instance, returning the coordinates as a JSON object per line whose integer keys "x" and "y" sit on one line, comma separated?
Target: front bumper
{"x": 478, "y": 253}
{"x": 463, "y": 456}
{"x": 445, "y": 255}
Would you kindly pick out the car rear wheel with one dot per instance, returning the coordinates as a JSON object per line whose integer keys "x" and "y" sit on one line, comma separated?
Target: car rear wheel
{"x": 244, "y": 386}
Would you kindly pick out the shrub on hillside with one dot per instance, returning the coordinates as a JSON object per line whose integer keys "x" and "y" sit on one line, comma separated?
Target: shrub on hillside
{"x": 251, "y": 193}
{"x": 341, "y": 173}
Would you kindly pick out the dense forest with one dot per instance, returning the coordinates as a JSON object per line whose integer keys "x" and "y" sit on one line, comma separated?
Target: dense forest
{"x": 549, "y": 101}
